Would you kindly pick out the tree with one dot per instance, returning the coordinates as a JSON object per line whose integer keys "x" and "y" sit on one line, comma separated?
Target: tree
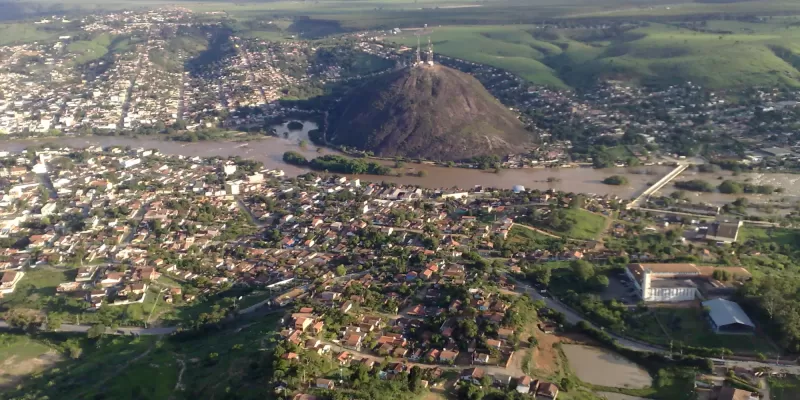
{"x": 53, "y": 322}
{"x": 96, "y": 331}
{"x": 583, "y": 270}
{"x": 341, "y": 270}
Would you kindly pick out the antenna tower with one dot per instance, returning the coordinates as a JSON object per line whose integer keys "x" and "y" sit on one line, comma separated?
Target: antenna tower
{"x": 419, "y": 56}
{"x": 430, "y": 51}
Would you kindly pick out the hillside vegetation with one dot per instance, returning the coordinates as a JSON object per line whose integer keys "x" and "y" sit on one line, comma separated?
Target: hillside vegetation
{"x": 717, "y": 54}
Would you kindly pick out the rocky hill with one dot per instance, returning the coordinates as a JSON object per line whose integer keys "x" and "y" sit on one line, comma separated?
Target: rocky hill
{"x": 430, "y": 112}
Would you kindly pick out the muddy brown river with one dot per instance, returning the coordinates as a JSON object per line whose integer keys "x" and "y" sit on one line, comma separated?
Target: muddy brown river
{"x": 576, "y": 179}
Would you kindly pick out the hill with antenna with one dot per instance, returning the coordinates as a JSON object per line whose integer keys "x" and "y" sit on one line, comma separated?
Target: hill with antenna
{"x": 426, "y": 111}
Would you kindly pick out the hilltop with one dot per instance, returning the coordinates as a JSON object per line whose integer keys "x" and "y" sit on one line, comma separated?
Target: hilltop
{"x": 430, "y": 112}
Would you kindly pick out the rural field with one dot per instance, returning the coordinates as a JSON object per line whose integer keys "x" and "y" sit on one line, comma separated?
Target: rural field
{"x": 762, "y": 54}
{"x": 21, "y": 356}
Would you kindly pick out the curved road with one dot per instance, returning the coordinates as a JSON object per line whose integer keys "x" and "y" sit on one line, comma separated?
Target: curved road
{"x": 573, "y": 318}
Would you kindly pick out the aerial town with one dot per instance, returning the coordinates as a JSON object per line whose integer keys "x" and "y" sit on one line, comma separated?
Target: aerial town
{"x": 365, "y": 272}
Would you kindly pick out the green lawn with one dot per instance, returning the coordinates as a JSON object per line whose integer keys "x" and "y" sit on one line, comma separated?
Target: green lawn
{"x": 690, "y": 327}
{"x": 126, "y": 368}
{"x": 787, "y": 388}
{"x": 20, "y": 347}
{"x": 21, "y": 355}
{"x": 37, "y": 288}
{"x": 586, "y": 225}
{"x": 526, "y": 237}
{"x": 780, "y": 236}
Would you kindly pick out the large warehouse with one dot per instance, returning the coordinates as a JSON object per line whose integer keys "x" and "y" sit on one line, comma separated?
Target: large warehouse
{"x": 727, "y": 317}
{"x": 676, "y": 282}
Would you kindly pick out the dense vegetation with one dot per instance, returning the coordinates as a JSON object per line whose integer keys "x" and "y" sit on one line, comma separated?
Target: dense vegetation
{"x": 616, "y": 180}
{"x": 346, "y": 165}
{"x": 733, "y": 187}
{"x": 695, "y": 185}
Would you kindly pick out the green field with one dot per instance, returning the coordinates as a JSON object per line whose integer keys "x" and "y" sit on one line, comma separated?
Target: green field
{"x": 36, "y": 289}
{"x": 779, "y": 236}
{"x": 689, "y": 326}
{"x": 585, "y": 225}
{"x": 123, "y": 368}
{"x": 11, "y": 33}
{"x": 754, "y": 54}
{"x": 21, "y": 355}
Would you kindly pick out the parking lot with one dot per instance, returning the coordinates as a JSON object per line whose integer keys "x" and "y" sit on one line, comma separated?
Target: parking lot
{"x": 621, "y": 288}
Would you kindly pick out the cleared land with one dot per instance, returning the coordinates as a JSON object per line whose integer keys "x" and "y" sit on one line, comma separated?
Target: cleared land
{"x": 21, "y": 356}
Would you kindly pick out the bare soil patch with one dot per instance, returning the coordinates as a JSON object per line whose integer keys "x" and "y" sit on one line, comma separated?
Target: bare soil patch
{"x": 13, "y": 370}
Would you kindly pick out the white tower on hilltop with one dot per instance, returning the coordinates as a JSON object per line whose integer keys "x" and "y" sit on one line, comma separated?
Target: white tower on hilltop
{"x": 419, "y": 56}
{"x": 430, "y": 52}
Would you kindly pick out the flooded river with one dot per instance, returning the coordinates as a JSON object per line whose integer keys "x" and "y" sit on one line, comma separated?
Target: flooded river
{"x": 602, "y": 367}
{"x": 270, "y": 151}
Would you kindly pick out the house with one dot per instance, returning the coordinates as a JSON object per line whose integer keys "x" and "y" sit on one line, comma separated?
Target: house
{"x": 9, "y": 281}
{"x": 473, "y": 375}
{"x": 343, "y": 358}
{"x": 354, "y": 341}
{"x": 317, "y": 327}
{"x": 321, "y": 383}
{"x": 111, "y": 279}
{"x": 524, "y": 384}
{"x": 505, "y": 333}
{"x": 494, "y": 343}
{"x": 368, "y": 362}
{"x": 85, "y": 274}
{"x": 546, "y": 390}
{"x": 448, "y": 356}
{"x": 481, "y": 358}
{"x": 301, "y": 323}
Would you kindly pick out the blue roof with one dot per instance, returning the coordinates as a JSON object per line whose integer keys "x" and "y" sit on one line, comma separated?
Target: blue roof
{"x": 725, "y": 312}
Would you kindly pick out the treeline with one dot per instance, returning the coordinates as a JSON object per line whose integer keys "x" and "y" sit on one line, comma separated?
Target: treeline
{"x": 338, "y": 164}
{"x": 727, "y": 186}
{"x": 695, "y": 185}
{"x": 733, "y": 187}
{"x": 776, "y": 301}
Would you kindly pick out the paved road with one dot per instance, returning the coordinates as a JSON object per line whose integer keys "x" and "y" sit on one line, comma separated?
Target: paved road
{"x": 119, "y": 331}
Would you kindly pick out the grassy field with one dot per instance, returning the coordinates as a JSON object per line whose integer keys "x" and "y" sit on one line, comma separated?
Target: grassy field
{"x": 787, "y": 388}
{"x": 21, "y": 356}
{"x": 526, "y": 237}
{"x": 23, "y": 32}
{"x": 586, "y": 225}
{"x": 779, "y": 236}
{"x": 753, "y": 54}
{"x": 690, "y": 327}
{"x": 116, "y": 367}
{"x": 90, "y": 50}
{"x": 36, "y": 288}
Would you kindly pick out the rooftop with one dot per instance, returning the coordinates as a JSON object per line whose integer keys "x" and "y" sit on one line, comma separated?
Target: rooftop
{"x": 725, "y": 312}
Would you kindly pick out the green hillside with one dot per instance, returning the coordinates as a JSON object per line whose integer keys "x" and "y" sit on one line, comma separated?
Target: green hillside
{"x": 752, "y": 54}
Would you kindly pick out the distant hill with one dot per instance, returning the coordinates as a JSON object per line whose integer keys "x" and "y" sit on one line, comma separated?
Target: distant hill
{"x": 430, "y": 112}
{"x": 714, "y": 54}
